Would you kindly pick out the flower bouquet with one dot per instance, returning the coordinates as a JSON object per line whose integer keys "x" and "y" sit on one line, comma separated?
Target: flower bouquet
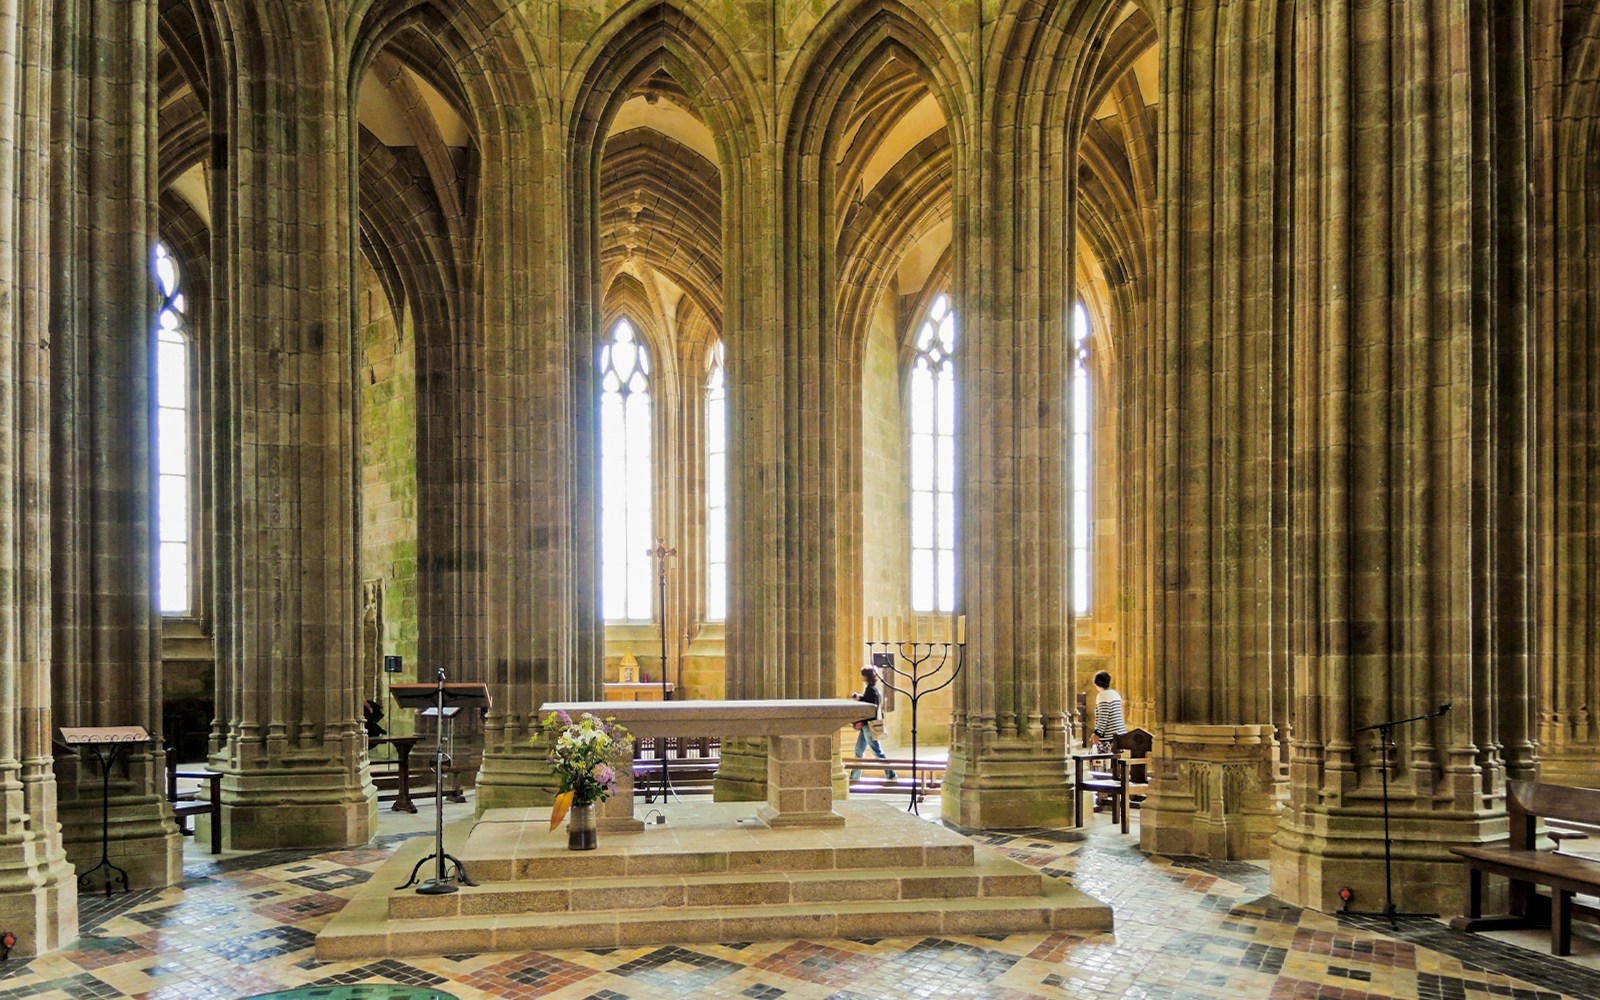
{"x": 582, "y": 753}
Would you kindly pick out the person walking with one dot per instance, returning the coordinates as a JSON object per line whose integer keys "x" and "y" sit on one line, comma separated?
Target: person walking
{"x": 868, "y": 733}
{"x": 1108, "y": 721}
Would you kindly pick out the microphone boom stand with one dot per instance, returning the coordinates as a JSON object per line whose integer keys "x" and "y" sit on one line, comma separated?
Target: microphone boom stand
{"x": 1385, "y": 731}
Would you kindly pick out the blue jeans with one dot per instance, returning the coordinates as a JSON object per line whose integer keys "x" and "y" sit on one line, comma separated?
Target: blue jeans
{"x": 863, "y": 740}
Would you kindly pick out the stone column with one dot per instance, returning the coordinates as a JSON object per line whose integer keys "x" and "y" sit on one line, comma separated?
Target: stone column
{"x": 294, "y": 760}
{"x": 542, "y": 592}
{"x": 1215, "y": 501}
{"x": 38, "y": 896}
{"x": 105, "y": 663}
{"x": 1567, "y": 409}
{"x": 1412, "y": 521}
{"x": 1014, "y": 254}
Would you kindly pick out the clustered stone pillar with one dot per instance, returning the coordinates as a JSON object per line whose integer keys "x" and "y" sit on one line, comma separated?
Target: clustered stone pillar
{"x": 541, "y": 590}
{"x": 294, "y": 761}
{"x": 1567, "y": 310}
{"x": 105, "y": 663}
{"x": 1215, "y": 499}
{"x": 38, "y": 896}
{"x": 1010, "y": 728}
{"x": 1412, "y": 521}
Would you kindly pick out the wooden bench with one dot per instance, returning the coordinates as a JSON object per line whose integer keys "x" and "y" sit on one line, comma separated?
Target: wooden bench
{"x": 1526, "y": 866}
{"x": 928, "y": 775}
{"x": 186, "y": 804}
{"x": 692, "y": 763}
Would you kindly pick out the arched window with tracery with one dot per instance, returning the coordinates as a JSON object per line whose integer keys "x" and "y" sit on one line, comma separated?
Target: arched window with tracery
{"x": 626, "y": 477}
{"x": 716, "y": 489}
{"x": 933, "y": 461}
{"x": 1081, "y": 521}
{"x": 172, "y": 438}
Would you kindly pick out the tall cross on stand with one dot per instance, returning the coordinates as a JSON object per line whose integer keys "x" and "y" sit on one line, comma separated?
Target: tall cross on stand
{"x": 661, "y": 554}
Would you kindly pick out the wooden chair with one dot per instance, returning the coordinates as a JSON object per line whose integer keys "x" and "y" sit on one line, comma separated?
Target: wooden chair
{"x": 186, "y": 804}
{"x": 1124, "y": 779}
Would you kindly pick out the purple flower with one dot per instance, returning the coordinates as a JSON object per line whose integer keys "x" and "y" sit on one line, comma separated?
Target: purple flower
{"x": 604, "y": 775}
{"x": 566, "y": 720}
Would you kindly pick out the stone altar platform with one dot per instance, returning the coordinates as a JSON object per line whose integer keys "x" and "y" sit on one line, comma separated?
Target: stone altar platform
{"x": 800, "y": 742}
{"x": 713, "y": 873}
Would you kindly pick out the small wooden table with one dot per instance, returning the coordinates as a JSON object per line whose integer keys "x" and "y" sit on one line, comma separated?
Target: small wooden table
{"x": 402, "y": 746}
{"x": 800, "y": 740}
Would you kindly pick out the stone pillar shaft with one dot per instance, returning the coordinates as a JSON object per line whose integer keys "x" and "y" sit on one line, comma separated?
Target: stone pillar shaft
{"x": 1215, "y": 388}
{"x": 1411, "y": 503}
{"x": 106, "y": 664}
{"x": 1012, "y": 205}
{"x": 1567, "y": 140}
{"x": 294, "y": 762}
{"x": 38, "y": 896}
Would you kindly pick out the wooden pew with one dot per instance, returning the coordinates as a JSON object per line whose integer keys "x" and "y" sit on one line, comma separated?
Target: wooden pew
{"x": 927, "y": 774}
{"x": 1526, "y": 866}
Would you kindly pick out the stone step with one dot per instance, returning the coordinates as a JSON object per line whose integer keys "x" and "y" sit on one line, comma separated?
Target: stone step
{"x": 711, "y": 838}
{"x": 988, "y": 878}
{"x": 368, "y": 932}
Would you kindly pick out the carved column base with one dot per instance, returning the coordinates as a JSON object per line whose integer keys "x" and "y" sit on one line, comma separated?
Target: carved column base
{"x": 1009, "y": 785}
{"x": 742, "y": 772}
{"x": 297, "y": 808}
{"x": 1569, "y": 762}
{"x": 144, "y": 841}
{"x": 38, "y": 890}
{"x": 1318, "y": 852}
{"x": 38, "y": 901}
{"x": 516, "y": 778}
{"x": 1214, "y": 794}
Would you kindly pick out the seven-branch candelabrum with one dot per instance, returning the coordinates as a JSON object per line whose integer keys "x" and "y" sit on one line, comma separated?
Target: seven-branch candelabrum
{"x": 915, "y": 668}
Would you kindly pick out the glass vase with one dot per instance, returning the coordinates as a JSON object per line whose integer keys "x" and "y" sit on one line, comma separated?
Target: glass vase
{"x": 581, "y": 828}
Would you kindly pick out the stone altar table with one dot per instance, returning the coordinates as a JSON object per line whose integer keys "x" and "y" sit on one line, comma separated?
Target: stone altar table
{"x": 799, "y": 757}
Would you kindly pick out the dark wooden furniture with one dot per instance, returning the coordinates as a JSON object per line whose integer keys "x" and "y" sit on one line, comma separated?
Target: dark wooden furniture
{"x": 927, "y": 774}
{"x": 1123, "y": 776}
{"x": 186, "y": 804}
{"x": 692, "y": 763}
{"x": 402, "y": 775}
{"x": 1526, "y": 866}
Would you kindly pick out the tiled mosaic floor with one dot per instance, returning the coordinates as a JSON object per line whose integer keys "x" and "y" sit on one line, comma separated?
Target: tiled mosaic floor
{"x": 245, "y": 926}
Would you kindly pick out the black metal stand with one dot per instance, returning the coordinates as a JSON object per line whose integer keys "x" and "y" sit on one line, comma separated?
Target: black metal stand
{"x": 917, "y": 655}
{"x": 441, "y": 881}
{"x": 1385, "y": 731}
{"x": 114, "y": 874}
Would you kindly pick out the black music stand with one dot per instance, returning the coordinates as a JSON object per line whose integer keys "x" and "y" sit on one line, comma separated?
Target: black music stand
{"x": 440, "y": 696}
{"x": 107, "y": 743}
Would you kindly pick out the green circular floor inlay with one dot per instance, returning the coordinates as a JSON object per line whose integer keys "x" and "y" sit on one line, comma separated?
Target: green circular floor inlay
{"x": 360, "y": 991}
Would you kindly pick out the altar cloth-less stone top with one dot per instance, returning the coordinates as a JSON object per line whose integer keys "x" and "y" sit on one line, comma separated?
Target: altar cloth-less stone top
{"x": 785, "y": 717}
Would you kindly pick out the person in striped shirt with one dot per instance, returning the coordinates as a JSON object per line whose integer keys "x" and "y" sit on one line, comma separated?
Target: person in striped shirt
{"x": 1108, "y": 721}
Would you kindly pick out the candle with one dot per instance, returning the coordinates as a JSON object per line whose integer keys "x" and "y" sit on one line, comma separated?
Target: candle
{"x": 961, "y": 631}
{"x": 899, "y": 630}
{"x": 870, "y": 631}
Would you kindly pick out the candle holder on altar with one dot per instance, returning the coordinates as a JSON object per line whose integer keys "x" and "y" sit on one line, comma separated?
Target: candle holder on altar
{"x": 921, "y": 668}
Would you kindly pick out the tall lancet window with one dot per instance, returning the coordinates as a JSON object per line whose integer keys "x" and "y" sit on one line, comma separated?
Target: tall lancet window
{"x": 1081, "y": 522}
{"x": 933, "y": 462}
{"x": 626, "y": 477}
{"x": 716, "y": 490}
{"x": 172, "y": 439}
